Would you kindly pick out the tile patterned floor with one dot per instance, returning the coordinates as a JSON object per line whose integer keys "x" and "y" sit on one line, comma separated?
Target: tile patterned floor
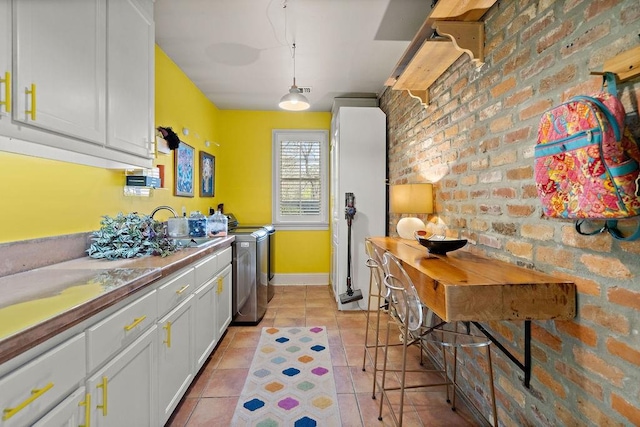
{"x": 214, "y": 393}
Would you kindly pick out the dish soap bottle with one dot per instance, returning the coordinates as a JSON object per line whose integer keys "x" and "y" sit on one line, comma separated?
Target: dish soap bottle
{"x": 217, "y": 224}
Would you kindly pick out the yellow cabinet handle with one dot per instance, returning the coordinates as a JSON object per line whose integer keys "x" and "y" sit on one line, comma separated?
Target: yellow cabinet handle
{"x": 32, "y": 92}
{"x": 182, "y": 289}
{"x": 103, "y": 386}
{"x": 167, "y": 328}
{"x": 87, "y": 410}
{"x": 135, "y": 323}
{"x": 7, "y": 91}
{"x": 220, "y": 283}
{"x": 35, "y": 393}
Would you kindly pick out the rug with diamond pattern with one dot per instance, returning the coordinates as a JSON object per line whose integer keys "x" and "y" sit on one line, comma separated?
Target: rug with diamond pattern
{"x": 290, "y": 382}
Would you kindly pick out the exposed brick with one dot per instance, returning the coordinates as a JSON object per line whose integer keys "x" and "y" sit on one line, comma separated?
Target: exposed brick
{"x": 479, "y": 225}
{"x": 623, "y": 351}
{"x": 585, "y": 40}
{"x": 489, "y": 241}
{"x": 536, "y": 231}
{"x": 613, "y": 321}
{"x": 545, "y": 337}
{"x": 489, "y": 144}
{"x": 584, "y": 286}
{"x": 501, "y": 124}
{"x": 532, "y": 69}
{"x": 520, "y": 210}
{"x": 600, "y": 243}
{"x": 513, "y": 392}
{"x": 517, "y": 135}
{"x": 537, "y": 27}
{"x": 595, "y": 415}
{"x": 606, "y": 266}
{"x": 503, "y": 87}
{"x": 591, "y": 387}
{"x": 546, "y": 379}
{"x": 626, "y": 409}
{"x": 554, "y": 36}
{"x": 519, "y": 97}
{"x": 529, "y": 192}
{"x": 598, "y": 366}
{"x": 564, "y": 415}
{"x": 624, "y": 297}
{"x": 469, "y": 180}
{"x": 507, "y": 229}
{"x": 597, "y": 7}
{"x": 536, "y": 109}
{"x": 581, "y": 332}
{"x": 504, "y": 158}
{"x": 504, "y": 51}
{"x": 562, "y": 77}
{"x": 506, "y": 193}
{"x": 524, "y": 172}
{"x": 520, "y": 249}
{"x": 554, "y": 256}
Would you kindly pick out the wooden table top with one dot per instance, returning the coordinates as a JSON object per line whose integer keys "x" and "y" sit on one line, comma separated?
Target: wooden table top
{"x": 466, "y": 287}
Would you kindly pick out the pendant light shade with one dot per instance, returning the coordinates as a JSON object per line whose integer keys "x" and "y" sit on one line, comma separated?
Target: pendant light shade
{"x": 294, "y": 100}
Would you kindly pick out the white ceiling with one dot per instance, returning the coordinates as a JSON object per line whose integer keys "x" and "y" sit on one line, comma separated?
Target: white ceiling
{"x": 238, "y": 52}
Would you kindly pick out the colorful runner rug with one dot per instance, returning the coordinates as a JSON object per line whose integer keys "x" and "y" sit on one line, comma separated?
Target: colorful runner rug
{"x": 290, "y": 382}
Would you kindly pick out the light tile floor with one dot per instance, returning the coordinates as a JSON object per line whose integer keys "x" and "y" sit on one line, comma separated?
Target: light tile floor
{"x": 212, "y": 397}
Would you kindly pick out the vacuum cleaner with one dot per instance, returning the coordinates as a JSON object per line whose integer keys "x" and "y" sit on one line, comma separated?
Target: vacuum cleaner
{"x": 349, "y": 214}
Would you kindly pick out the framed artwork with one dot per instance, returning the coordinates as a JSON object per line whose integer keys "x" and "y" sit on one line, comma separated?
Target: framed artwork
{"x": 184, "y": 163}
{"x": 207, "y": 174}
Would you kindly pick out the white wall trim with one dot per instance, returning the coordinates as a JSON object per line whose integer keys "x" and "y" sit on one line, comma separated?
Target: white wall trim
{"x": 301, "y": 279}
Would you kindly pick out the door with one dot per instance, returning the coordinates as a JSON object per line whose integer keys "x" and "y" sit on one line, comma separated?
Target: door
{"x": 130, "y": 74}
{"x": 223, "y": 303}
{"x": 206, "y": 335}
{"x": 5, "y": 61}
{"x": 60, "y": 63}
{"x": 124, "y": 391}
{"x": 175, "y": 356}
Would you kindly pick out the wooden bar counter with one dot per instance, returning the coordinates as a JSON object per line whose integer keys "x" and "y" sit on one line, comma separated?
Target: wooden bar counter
{"x": 465, "y": 287}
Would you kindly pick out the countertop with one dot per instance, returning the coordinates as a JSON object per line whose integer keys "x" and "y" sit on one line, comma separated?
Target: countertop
{"x": 38, "y": 304}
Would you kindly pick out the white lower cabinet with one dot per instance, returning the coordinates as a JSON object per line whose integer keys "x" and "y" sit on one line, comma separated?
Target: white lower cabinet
{"x": 124, "y": 367}
{"x": 124, "y": 391}
{"x": 223, "y": 303}
{"x": 175, "y": 356}
{"x": 206, "y": 331}
{"x": 29, "y": 392}
{"x": 74, "y": 411}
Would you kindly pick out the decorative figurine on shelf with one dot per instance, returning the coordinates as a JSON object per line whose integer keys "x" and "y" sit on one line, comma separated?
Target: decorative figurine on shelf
{"x": 170, "y": 136}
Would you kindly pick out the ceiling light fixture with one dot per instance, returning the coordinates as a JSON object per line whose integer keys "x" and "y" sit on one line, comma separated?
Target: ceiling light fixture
{"x": 294, "y": 100}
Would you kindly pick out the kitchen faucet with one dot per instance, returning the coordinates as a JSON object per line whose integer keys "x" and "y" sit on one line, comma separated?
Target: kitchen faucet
{"x": 168, "y": 208}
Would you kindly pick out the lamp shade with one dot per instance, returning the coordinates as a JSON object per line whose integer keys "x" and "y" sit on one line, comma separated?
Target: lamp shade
{"x": 411, "y": 198}
{"x": 294, "y": 100}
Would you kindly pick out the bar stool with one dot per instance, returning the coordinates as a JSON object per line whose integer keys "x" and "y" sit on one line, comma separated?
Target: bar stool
{"x": 420, "y": 326}
{"x": 378, "y": 295}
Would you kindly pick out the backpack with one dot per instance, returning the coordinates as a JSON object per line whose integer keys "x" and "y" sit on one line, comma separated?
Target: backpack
{"x": 587, "y": 162}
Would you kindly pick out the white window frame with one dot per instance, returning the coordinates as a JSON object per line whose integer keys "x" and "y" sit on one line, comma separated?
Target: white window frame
{"x": 299, "y": 222}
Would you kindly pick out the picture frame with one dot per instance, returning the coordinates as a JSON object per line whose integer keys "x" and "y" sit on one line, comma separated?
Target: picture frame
{"x": 207, "y": 174}
{"x": 184, "y": 170}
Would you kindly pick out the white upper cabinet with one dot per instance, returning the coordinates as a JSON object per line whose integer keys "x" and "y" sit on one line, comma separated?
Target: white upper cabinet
{"x": 130, "y": 76}
{"x": 81, "y": 81}
{"x": 60, "y": 66}
{"x": 5, "y": 61}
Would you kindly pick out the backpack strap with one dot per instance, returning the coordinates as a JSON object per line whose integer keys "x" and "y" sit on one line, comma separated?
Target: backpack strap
{"x": 609, "y": 79}
{"x": 588, "y": 233}
{"x": 612, "y": 227}
{"x": 605, "y": 110}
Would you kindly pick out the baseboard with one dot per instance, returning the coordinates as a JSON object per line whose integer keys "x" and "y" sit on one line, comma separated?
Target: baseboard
{"x": 301, "y": 279}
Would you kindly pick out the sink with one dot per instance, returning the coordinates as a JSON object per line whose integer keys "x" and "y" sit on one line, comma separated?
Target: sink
{"x": 195, "y": 242}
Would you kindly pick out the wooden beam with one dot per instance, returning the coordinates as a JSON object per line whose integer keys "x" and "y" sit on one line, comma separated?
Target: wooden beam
{"x": 626, "y": 65}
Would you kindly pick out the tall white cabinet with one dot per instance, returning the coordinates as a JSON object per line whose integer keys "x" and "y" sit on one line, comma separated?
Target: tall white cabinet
{"x": 358, "y": 165}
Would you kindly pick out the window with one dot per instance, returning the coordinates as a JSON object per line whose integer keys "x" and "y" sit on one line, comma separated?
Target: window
{"x": 300, "y": 165}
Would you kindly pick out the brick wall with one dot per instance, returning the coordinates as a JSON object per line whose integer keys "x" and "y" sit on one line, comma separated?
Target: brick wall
{"x": 475, "y": 140}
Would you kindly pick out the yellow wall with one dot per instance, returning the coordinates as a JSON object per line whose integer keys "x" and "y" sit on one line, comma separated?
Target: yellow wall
{"x": 246, "y": 144}
{"x": 43, "y": 198}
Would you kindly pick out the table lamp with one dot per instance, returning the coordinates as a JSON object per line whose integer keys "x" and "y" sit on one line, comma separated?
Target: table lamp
{"x": 410, "y": 199}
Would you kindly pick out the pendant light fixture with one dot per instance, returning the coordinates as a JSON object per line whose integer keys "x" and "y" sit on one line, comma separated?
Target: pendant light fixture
{"x": 294, "y": 100}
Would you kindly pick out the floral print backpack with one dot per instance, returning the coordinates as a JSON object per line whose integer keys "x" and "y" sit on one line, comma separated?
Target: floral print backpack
{"x": 587, "y": 162}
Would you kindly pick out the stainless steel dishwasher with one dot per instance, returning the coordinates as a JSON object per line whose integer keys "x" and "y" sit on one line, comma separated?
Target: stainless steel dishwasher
{"x": 250, "y": 275}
